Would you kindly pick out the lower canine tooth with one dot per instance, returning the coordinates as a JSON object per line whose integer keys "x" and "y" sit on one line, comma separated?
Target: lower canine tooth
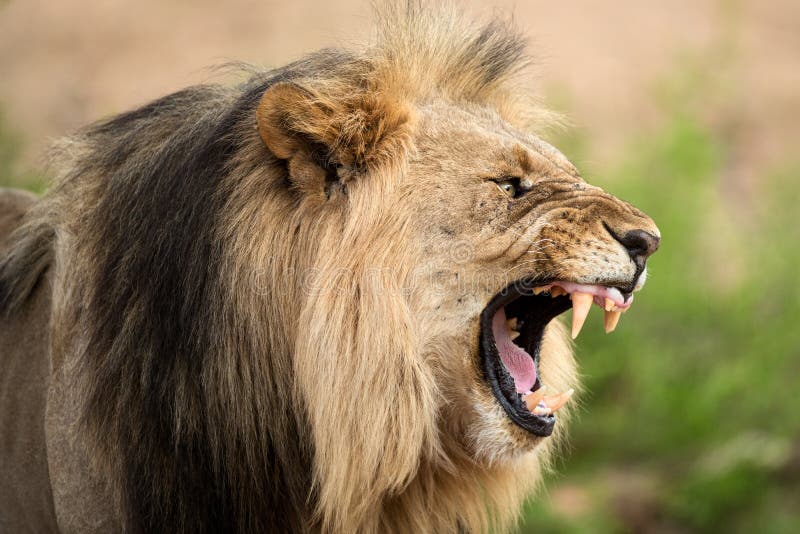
{"x": 611, "y": 319}
{"x": 512, "y": 323}
{"x": 513, "y": 334}
{"x": 581, "y": 303}
{"x": 532, "y": 399}
{"x": 557, "y": 401}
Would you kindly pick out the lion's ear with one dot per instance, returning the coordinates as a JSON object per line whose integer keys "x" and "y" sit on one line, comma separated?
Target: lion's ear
{"x": 329, "y": 137}
{"x": 289, "y": 120}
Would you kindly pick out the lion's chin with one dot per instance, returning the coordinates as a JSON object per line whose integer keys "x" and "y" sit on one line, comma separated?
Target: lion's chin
{"x": 512, "y": 328}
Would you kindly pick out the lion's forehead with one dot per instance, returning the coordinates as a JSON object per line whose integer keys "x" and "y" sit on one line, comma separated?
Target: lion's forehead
{"x": 478, "y": 142}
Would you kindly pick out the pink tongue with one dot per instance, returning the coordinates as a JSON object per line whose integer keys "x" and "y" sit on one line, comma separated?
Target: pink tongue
{"x": 518, "y": 362}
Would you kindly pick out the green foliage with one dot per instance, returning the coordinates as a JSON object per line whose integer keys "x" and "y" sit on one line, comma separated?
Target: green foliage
{"x": 695, "y": 391}
{"x": 11, "y": 175}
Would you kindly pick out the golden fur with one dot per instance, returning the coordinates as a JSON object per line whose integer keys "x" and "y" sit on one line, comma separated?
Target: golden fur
{"x": 268, "y": 296}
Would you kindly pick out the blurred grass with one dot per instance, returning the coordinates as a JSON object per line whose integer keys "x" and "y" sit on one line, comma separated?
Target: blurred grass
{"x": 691, "y": 421}
{"x": 12, "y": 172}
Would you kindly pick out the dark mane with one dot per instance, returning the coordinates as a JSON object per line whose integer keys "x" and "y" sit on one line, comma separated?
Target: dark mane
{"x": 158, "y": 216}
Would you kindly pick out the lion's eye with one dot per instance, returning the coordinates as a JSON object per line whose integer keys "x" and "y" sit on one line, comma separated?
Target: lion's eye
{"x": 509, "y": 187}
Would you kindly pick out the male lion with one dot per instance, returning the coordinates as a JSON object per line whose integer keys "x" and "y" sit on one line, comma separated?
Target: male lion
{"x": 320, "y": 301}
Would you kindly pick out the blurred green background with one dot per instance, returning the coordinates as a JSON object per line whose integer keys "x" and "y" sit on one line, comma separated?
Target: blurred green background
{"x": 690, "y": 420}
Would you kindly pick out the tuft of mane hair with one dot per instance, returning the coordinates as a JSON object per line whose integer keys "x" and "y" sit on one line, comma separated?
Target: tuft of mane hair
{"x": 186, "y": 371}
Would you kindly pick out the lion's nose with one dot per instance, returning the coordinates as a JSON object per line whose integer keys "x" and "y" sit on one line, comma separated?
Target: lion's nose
{"x": 640, "y": 244}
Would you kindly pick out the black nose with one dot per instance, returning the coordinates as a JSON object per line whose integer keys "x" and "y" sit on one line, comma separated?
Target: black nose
{"x": 640, "y": 244}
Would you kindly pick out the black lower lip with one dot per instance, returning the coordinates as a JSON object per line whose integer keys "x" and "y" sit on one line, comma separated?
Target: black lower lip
{"x": 536, "y": 312}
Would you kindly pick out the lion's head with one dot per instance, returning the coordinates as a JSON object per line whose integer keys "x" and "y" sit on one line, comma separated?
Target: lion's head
{"x": 325, "y": 299}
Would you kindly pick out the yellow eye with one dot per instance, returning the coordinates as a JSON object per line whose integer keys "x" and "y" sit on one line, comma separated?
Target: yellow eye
{"x": 508, "y": 188}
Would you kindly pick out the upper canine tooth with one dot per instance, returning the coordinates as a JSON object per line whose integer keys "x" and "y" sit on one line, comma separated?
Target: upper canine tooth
{"x": 609, "y": 304}
{"x": 557, "y": 401}
{"x": 581, "y": 303}
{"x": 557, "y": 291}
{"x": 611, "y": 319}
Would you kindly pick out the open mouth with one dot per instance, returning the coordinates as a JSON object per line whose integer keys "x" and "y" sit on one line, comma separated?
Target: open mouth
{"x": 512, "y": 328}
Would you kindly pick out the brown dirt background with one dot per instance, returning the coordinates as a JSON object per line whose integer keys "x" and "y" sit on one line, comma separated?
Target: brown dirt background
{"x": 65, "y": 63}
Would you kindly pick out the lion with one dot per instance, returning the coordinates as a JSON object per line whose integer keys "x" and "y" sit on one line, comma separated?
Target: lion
{"x": 322, "y": 300}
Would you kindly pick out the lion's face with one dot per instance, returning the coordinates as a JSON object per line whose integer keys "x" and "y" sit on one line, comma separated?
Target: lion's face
{"x": 513, "y": 237}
